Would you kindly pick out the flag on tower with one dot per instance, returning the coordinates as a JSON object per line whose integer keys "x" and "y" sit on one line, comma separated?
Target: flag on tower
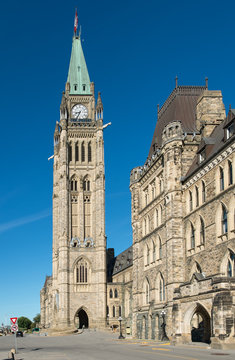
{"x": 75, "y": 22}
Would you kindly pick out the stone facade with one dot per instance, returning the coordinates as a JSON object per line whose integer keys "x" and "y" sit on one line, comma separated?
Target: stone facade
{"x": 177, "y": 281}
{"x": 183, "y": 214}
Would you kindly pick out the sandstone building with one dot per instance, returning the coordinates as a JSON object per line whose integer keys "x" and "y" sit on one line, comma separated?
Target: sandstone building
{"x": 178, "y": 278}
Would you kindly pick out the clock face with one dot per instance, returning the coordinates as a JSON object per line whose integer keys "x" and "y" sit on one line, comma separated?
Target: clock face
{"x": 79, "y": 112}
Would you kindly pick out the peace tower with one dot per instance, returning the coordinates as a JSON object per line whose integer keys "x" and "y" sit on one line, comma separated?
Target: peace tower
{"x": 76, "y": 292}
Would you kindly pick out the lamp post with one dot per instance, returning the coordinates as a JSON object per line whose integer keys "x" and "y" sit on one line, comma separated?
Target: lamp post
{"x": 120, "y": 326}
{"x": 164, "y": 335}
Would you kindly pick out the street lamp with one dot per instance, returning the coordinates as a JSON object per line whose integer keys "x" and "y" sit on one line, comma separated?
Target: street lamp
{"x": 120, "y": 326}
{"x": 164, "y": 335}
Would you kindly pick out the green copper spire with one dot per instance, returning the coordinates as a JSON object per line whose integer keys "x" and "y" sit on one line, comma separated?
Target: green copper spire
{"x": 78, "y": 76}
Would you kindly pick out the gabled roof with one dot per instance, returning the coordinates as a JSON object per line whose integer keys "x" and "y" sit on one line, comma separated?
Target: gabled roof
{"x": 213, "y": 145}
{"x": 180, "y": 106}
{"x": 78, "y": 75}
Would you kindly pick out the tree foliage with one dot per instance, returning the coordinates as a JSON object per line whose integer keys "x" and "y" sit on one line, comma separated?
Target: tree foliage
{"x": 37, "y": 318}
{"x": 24, "y": 322}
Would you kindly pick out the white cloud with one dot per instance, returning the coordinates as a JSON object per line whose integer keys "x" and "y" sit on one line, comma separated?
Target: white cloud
{"x": 24, "y": 220}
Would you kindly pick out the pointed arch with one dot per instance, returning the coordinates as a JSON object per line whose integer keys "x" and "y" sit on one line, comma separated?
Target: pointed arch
{"x": 159, "y": 248}
{"x": 77, "y": 151}
{"x": 156, "y": 218}
{"x": 224, "y": 219}
{"x": 146, "y": 291}
{"x": 192, "y": 237}
{"x": 221, "y": 173}
{"x": 196, "y": 268}
{"x": 83, "y": 151}
{"x": 190, "y": 201}
{"x": 82, "y": 271}
{"x": 227, "y": 266}
{"x": 202, "y": 231}
{"x": 153, "y": 251}
{"x": 197, "y": 196}
{"x": 230, "y": 172}
{"x": 160, "y": 288}
{"x": 89, "y": 151}
{"x": 203, "y": 191}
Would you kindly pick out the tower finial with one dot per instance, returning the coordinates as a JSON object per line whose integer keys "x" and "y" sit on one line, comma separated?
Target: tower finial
{"x": 75, "y": 23}
{"x": 176, "y": 81}
{"x": 206, "y": 82}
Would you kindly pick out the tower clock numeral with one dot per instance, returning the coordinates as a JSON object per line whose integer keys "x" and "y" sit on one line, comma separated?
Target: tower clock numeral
{"x": 79, "y": 111}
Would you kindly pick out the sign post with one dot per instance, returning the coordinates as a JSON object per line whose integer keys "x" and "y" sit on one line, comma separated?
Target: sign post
{"x": 14, "y": 328}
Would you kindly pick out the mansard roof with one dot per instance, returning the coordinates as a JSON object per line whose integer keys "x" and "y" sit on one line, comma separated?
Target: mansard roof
{"x": 123, "y": 260}
{"x": 180, "y": 106}
{"x": 212, "y": 145}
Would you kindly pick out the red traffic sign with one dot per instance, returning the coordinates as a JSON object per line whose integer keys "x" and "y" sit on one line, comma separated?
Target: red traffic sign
{"x": 14, "y": 328}
{"x": 13, "y": 320}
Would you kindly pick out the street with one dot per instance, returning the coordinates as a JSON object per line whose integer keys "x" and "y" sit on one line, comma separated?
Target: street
{"x": 102, "y": 345}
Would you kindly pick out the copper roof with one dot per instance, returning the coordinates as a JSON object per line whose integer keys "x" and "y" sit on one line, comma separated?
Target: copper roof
{"x": 180, "y": 106}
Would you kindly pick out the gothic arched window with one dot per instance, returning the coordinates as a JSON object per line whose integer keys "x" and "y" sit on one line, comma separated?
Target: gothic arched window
{"x": 86, "y": 185}
{"x": 115, "y": 293}
{"x": 231, "y": 264}
{"x": 147, "y": 258}
{"x": 160, "y": 248}
{"x": 114, "y": 311}
{"x": 83, "y": 151}
{"x": 221, "y": 179}
{"x": 82, "y": 271}
{"x": 161, "y": 288}
{"x": 192, "y": 237}
{"x": 146, "y": 291}
{"x": 89, "y": 152}
{"x": 76, "y": 152}
{"x": 120, "y": 311}
{"x": 154, "y": 251}
{"x": 190, "y": 201}
{"x": 156, "y": 218}
{"x": 197, "y": 196}
{"x": 69, "y": 152}
{"x": 230, "y": 173}
{"x": 202, "y": 232}
{"x": 224, "y": 220}
{"x": 73, "y": 185}
{"x": 203, "y": 192}
{"x": 111, "y": 293}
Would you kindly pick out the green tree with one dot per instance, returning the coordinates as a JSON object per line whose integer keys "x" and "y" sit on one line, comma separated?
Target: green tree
{"x": 37, "y": 318}
{"x": 24, "y": 322}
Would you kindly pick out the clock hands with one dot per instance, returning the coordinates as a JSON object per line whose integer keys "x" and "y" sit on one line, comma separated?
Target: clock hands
{"x": 78, "y": 114}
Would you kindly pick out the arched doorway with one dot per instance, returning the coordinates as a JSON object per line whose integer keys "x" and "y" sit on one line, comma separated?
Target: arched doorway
{"x": 200, "y": 325}
{"x": 81, "y": 319}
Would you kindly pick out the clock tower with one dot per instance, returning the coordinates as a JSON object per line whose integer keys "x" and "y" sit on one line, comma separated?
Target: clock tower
{"x": 78, "y": 284}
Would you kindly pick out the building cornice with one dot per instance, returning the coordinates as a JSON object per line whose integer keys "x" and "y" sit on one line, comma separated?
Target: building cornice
{"x": 209, "y": 166}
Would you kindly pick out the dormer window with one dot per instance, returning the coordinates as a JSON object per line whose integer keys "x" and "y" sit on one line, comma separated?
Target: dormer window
{"x": 83, "y": 87}
{"x": 75, "y": 87}
{"x": 229, "y": 131}
{"x": 202, "y": 156}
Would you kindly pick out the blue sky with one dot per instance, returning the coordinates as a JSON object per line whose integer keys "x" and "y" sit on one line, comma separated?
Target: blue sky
{"x": 133, "y": 49}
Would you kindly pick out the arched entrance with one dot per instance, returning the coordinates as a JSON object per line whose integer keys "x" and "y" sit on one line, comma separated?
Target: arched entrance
{"x": 200, "y": 325}
{"x": 81, "y": 319}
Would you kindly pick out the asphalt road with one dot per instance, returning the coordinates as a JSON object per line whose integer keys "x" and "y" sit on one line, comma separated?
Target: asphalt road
{"x": 104, "y": 346}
